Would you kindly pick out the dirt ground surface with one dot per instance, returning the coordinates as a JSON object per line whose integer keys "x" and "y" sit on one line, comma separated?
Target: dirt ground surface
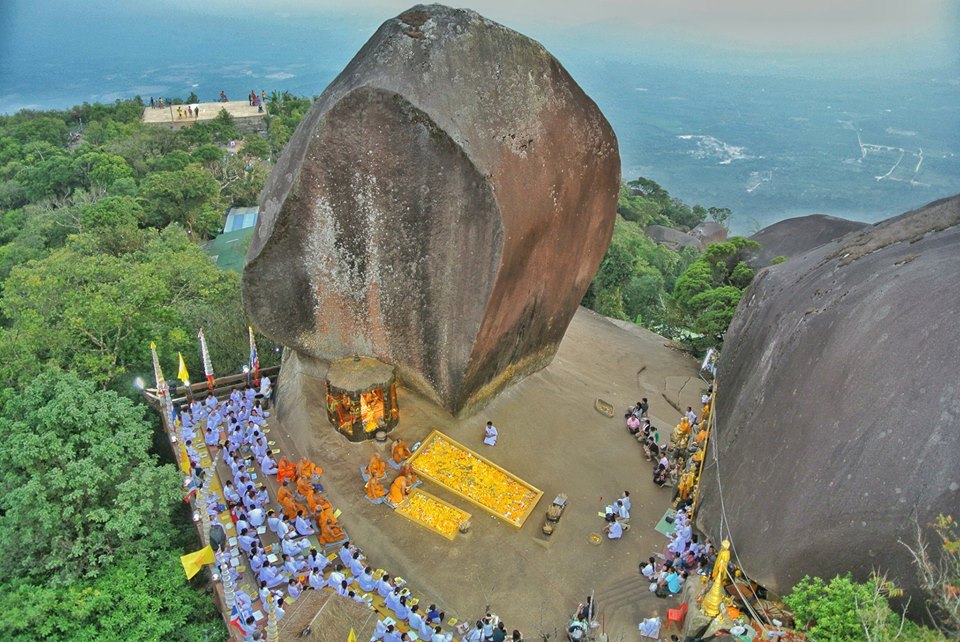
{"x": 552, "y": 437}
{"x": 208, "y": 111}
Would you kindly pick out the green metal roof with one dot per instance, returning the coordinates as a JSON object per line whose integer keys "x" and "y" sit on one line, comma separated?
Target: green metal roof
{"x": 229, "y": 250}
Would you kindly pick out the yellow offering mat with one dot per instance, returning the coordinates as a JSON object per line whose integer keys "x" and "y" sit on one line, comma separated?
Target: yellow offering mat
{"x": 432, "y": 512}
{"x": 478, "y": 480}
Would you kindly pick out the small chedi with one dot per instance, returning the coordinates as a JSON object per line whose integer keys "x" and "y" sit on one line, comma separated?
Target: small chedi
{"x": 442, "y": 208}
{"x": 838, "y": 413}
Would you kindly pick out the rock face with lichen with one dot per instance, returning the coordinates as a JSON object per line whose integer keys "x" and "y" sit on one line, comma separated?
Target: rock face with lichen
{"x": 442, "y": 207}
{"x": 838, "y": 410}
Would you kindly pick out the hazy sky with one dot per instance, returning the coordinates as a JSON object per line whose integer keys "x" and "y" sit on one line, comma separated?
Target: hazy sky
{"x": 767, "y": 23}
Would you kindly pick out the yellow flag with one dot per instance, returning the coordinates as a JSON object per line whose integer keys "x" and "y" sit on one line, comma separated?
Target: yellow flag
{"x": 352, "y": 637}
{"x": 193, "y": 562}
{"x": 182, "y": 373}
{"x": 184, "y": 460}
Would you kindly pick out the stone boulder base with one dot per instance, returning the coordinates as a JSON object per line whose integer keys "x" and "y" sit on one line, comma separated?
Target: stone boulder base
{"x": 839, "y": 410}
{"x": 442, "y": 207}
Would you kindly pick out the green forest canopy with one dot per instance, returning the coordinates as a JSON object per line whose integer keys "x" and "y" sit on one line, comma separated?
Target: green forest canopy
{"x": 100, "y": 227}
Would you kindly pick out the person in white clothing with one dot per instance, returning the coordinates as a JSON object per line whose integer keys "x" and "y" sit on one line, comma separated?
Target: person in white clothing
{"x": 301, "y": 525}
{"x": 490, "y": 434}
{"x": 315, "y": 579}
{"x": 366, "y": 581}
{"x": 650, "y": 627}
{"x": 613, "y": 530}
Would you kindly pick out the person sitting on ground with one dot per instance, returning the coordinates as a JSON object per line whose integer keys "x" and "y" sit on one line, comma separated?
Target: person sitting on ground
{"x": 633, "y": 424}
{"x": 649, "y": 569}
{"x": 268, "y": 465}
{"x": 330, "y": 532}
{"x": 294, "y": 588}
{"x": 621, "y": 511}
{"x": 302, "y": 526}
{"x": 315, "y": 579}
{"x": 650, "y": 448}
{"x": 475, "y": 634}
{"x": 406, "y": 469}
{"x": 293, "y": 547}
{"x": 336, "y": 576}
{"x": 402, "y": 610}
{"x": 614, "y": 530}
{"x": 490, "y": 434}
{"x": 398, "y": 490}
{"x": 356, "y": 563}
{"x": 256, "y": 516}
{"x": 392, "y": 634}
{"x": 366, "y": 580}
{"x": 308, "y": 469}
{"x": 414, "y": 619}
{"x": 285, "y": 470}
{"x": 384, "y": 586}
{"x": 434, "y": 614}
{"x": 376, "y": 467}
{"x": 305, "y": 488}
{"x": 374, "y": 489}
{"x": 292, "y": 566}
{"x": 393, "y": 599}
{"x": 400, "y": 452}
{"x": 660, "y": 475}
{"x": 626, "y": 500}
{"x": 650, "y": 627}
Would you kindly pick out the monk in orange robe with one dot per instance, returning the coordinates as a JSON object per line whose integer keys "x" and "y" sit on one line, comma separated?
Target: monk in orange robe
{"x": 376, "y": 467}
{"x": 398, "y": 490}
{"x": 286, "y": 501}
{"x": 305, "y": 488}
{"x": 322, "y": 502}
{"x": 325, "y": 514}
{"x": 308, "y": 469}
{"x": 283, "y": 493}
{"x": 374, "y": 489}
{"x": 330, "y": 532}
{"x": 285, "y": 470}
{"x": 400, "y": 451}
{"x": 407, "y": 471}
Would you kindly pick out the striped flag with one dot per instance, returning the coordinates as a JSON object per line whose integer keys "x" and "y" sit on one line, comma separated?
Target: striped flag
{"x": 254, "y": 359}
{"x": 157, "y": 372}
{"x": 205, "y": 354}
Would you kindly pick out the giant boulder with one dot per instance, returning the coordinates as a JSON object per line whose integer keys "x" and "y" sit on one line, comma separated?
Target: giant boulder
{"x": 794, "y": 236}
{"x": 838, "y": 407}
{"x": 442, "y": 207}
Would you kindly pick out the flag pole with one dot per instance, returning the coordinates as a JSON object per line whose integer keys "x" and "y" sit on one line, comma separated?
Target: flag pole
{"x": 207, "y": 365}
{"x": 254, "y": 357}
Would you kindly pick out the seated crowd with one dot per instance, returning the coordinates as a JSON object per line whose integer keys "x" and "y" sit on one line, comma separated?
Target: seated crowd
{"x": 235, "y": 428}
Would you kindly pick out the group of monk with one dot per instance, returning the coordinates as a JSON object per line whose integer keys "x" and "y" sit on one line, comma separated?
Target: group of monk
{"x": 376, "y": 471}
{"x": 309, "y": 499}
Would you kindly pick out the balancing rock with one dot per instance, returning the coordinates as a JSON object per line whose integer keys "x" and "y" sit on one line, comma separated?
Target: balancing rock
{"x": 442, "y": 207}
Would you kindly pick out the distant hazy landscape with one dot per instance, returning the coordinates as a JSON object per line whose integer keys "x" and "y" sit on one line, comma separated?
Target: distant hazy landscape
{"x": 768, "y": 137}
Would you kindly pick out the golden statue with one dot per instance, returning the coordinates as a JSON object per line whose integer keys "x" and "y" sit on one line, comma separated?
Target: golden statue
{"x": 714, "y": 597}
{"x": 723, "y": 559}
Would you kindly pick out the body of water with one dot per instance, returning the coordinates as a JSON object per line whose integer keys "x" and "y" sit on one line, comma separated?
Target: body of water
{"x": 769, "y": 138}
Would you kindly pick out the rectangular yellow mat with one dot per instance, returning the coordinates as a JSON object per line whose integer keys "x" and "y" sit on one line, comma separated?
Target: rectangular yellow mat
{"x": 432, "y": 512}
{"x": 478, "y": 480}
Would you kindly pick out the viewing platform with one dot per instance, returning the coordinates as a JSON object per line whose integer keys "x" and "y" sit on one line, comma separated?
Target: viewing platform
{"x": 247, "y": 117}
